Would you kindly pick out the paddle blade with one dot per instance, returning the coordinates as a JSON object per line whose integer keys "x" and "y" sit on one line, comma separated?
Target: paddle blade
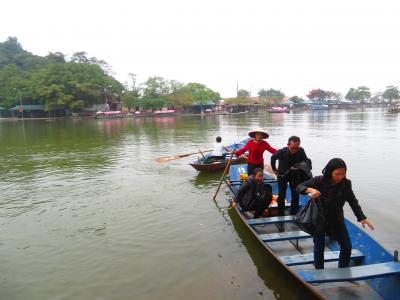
{"x": 168, "y": 158}
{"x": 165, "y": 159}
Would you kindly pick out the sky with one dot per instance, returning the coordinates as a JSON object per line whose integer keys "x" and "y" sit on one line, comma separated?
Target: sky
{"x": 293, "y": 46}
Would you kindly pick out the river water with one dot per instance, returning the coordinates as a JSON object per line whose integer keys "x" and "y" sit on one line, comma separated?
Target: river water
{"x": 87, "y": 213}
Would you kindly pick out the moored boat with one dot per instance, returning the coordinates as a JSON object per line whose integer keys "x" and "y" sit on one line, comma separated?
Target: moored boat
{"x": 164, "y": 112}
{"x": 376, "y": 271}
{"x": 279, "y": 109}
{"x": 109, "y": 114}
{"x": 394, "y": 109}
{"x": 319, "y": 107}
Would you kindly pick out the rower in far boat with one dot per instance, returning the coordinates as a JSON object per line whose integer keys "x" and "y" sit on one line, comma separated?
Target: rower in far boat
{"x": 219, "y": 150}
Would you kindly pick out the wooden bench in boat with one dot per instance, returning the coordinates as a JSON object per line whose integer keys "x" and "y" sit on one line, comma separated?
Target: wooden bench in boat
{"x": 250, "y": 215}
{"x": 284, "y": 236}
{"x": 308, "y": 258}
{"x": 352, "y": 273}
{"x": 270, "y": 220}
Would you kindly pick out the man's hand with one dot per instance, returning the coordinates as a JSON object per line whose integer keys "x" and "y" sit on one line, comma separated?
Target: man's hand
{"x": 313, "y": 193}
{"x": 368, "y": 223}
{"x": 233, "y": 204}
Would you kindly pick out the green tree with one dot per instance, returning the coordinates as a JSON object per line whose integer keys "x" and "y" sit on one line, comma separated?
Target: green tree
{"x": 271, "y": 96}
{"x": 358, "y": 95}
{"x": 200, "y": 93}
{"x": 152, "y": 103}
{"x": 296, "y": 100}
{"x": 51, "y": 80}
{"x": 262, "y": 94}
{"x": 391, "y": 93}
{"x": 155, "y": 87}
{"x": 243, "y": 93}
{"x": 131, "y": 94}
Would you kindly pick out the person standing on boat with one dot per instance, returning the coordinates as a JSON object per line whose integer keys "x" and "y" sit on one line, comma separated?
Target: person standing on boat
{"x": 334, "y": 189}
{"x": 256, "y": 147}
{"x": 218, "y": 149}
{"x": 254, "y": 195}
{"x": 287, "y": 172}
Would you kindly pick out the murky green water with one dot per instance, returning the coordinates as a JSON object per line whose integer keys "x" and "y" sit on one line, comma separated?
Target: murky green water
{"x": 87, "y": 213}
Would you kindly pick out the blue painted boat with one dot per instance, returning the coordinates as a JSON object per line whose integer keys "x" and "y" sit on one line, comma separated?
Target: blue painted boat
{"x": 319, "y": 107}
{"x": 374, "y": 272}
{"x": 201, "y": 165}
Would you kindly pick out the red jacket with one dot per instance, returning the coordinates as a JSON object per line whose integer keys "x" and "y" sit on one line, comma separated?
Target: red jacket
{"x": 256, "y": 151}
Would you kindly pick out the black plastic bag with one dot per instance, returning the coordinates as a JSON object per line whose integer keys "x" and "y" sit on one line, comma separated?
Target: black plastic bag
{"x": 310, "y": 218}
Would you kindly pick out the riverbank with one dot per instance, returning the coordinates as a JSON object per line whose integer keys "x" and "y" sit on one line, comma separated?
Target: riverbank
{"x": 252, "y": 109}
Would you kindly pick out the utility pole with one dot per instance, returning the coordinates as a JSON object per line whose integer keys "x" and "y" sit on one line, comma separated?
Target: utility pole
{"x": 20, "y": 102}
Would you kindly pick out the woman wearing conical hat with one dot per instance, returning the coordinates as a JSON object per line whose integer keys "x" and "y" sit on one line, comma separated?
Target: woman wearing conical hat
{"x": 256, "y": 147}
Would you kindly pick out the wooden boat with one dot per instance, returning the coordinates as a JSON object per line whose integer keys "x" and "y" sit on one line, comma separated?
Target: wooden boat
{"x": 109, "y": 114}
{"x": 199, "y": 164}
{"x": 394, "y": 109}
{"x": 164, "y": 112}
{"x": 374, "y": 272}
{"x": 279, "y": 109}
{"x": 319, "y": 107}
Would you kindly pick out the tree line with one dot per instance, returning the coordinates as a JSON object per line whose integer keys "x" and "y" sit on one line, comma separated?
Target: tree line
{"x": 357, "y": 95}
{"x": 80, "y": 81}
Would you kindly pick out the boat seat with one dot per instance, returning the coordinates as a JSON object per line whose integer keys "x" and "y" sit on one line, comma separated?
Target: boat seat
{"x": 284, "y": 236}
{"x": 250, "y": 215}
{"x": 352, "y": 273}
{"x": 270, "y": 220}
{"x": 308, "y": 258}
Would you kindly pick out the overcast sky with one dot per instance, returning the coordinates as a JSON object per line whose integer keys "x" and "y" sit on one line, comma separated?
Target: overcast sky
{"x": 294, "y": 46}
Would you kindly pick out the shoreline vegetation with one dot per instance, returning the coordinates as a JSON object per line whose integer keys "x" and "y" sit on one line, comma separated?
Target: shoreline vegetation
{"x": 59, "y": 85}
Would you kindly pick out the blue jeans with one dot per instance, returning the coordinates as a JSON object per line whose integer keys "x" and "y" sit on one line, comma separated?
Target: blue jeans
{"x": 344, "y": 241}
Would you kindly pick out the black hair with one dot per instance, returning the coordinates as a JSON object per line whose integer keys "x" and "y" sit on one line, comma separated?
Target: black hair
{"x": 294, "y": 139}
{"x": 332, "y": 165}
{"x": 218, "y": 139}
{"x": 258, "y": 170}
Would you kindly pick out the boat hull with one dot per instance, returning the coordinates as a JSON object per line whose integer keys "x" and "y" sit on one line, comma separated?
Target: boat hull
{"x": 217, "y": 165}
{"x": 379, "y": 287}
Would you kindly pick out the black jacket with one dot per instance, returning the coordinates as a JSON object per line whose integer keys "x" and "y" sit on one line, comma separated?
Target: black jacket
{"x": 287, "y": 160}
{"x": 333, "y": 198}
{"x": 251, "y": 191}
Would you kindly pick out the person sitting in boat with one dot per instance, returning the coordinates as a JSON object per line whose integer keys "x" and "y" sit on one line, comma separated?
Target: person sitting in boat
{"x": 334, "y": 189}
{"x": 287, "y": 173}
{"x": 254, "y": 195}
{"x": 256, "y": 147}
{"x": 218, "y": 149}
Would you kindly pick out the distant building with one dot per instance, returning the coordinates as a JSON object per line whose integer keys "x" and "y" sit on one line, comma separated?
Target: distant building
{"x": 38, "y": 111}
{"x": 4, "y": 112}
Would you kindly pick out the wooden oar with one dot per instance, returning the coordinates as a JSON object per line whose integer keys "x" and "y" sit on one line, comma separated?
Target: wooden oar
{"x": 223, "y": 177}
{"x": 178, "y": 156}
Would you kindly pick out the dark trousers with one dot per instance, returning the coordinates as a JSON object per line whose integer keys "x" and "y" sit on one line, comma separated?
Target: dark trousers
{"x": 282, "y": 186}
{"x": 251, "y": 168}
{"x": 219, "y": 157}
{"x": 259, "y": 207}
{"x": 342, "y": 235}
